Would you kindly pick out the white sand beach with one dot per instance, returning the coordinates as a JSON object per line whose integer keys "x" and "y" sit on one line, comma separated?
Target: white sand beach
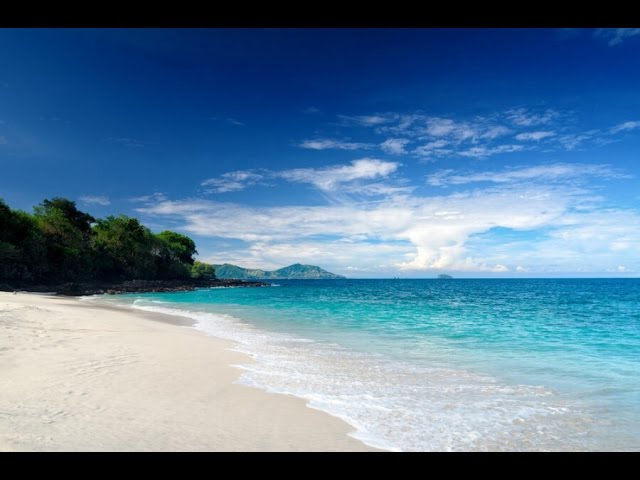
{"x": 80, "y": 377}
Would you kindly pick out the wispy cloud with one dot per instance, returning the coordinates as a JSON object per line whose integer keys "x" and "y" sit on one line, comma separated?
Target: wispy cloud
{"x": 311, "y": 110}
{"x": 482, "y": 152}
{"x": 615, "y": 36}
{"x": 437, "y": 147}
{"x": 155, "y": 197}
{"x": 512, "y": 130}
{"x": 573, "y": 141}
{"x": 535, "y": 136}
{"x": 418, "y": 233}
{"x": 129, "y": 142}
{"x": 495, "y": 132}
{"x": 367, "y": 120}
{"x": 394, "y": 146}
{"x": 526, "y": 118}
{"x": 360, "y": 177}
{"x": 547, "y": 173}
{"x": 95, "y": 200}
{"x": 234, "y": 181}
{"x": 328, "y": 144}
{"x": 330, "y": 178}
{"x": 235, "y": 121}
{"x": 626, "y": 126}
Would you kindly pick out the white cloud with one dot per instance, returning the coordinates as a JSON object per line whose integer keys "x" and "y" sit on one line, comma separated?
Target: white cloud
{"x": 495, "y": 132}
{"x": 235, "y": 121}
{"x": 394, "y": 146}
{"x": 534, "y": 135}
{"x": 128, "y": 142}
{"x": 437, "y": 147}
{"x": 573, "y": 141}
{"x": 547, "y": 173}
{"x": 233, "y": 181}
{"x": 475, "y": 137}
{"x": 525, "y": 118}
{"x": 621, "y": 268}
{"x": 96, "y": 200}
{"x": 520, "y": 269}
{"x": 626, "y": 126}
{"x": 327, "y": 144}
{"x": 615, "y": 36}
{"x": 330, "y": 177}
{"x": 367, "y": 120}
{"x": 446, "y": 127}
{"x": 154, "y": 197}
{"x": 481, "y": 152}
{"x": 414, "y": 233}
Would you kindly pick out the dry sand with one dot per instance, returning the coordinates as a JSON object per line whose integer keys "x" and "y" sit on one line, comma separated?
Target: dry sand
{"x": 79, "y": 377}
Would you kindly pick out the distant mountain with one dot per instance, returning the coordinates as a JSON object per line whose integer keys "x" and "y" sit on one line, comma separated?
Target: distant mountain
{"x": 295, "y": 271}
{"x": 443, "y": 276}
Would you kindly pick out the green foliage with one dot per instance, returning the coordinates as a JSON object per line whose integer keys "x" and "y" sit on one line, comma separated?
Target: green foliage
{"x": 22, "y": 246}
{"x": 179, "y": 246}
{"x": 67, "y": 237}
{"x": 58, "y": 242}
{"x": 126, "y": 249}
{"x": 202, "y": 270}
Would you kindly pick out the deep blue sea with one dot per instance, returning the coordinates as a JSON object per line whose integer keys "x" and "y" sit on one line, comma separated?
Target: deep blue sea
{"x": 526, "y": 364}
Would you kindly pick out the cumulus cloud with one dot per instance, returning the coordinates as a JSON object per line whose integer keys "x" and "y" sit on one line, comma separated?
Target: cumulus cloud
{"x": 96, "y": 200}
{"x": 417, "y": 233}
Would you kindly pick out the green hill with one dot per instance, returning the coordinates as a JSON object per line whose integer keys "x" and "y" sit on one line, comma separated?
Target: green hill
{"x": 296, "y": 271}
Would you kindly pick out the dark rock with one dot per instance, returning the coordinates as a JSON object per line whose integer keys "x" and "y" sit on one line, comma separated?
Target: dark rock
{"x": 76, "y": 289}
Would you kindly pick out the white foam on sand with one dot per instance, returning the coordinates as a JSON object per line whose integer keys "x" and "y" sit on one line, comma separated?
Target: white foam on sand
{"x": 397, "y": 405}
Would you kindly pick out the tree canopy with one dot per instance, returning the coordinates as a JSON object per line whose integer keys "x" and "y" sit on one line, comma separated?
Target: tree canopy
{"x": 58, "y": 243}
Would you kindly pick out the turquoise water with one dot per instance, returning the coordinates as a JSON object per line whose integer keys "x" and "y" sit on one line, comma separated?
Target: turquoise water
{"x": 534, "y": 364}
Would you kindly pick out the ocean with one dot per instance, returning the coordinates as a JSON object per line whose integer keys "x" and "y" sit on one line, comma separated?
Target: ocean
{"x": 445, "y": 365}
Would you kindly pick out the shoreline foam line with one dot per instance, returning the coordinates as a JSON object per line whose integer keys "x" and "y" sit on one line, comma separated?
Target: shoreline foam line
{"x": 459, "y": 410}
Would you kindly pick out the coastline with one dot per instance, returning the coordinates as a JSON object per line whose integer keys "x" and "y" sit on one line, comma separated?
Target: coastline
{"x": 82, "y": 377}
{"x": 83, "y": 289}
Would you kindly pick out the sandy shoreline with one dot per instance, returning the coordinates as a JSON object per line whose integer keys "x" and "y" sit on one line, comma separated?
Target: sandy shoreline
{"x": 79, "y": 377}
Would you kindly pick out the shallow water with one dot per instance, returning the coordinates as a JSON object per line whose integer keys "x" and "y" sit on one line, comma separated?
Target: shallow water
{"x": 535, "y": 364}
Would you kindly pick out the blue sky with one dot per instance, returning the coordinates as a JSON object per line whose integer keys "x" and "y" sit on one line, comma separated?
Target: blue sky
{"x": 371, "y": 153}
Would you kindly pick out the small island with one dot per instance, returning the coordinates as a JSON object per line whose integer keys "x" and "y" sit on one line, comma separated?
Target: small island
{"x": 444, "y": 276}
{"x": 296, "y": 271}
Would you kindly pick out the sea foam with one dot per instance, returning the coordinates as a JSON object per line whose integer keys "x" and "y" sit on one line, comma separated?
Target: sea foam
{"x": 397, "y": 405}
